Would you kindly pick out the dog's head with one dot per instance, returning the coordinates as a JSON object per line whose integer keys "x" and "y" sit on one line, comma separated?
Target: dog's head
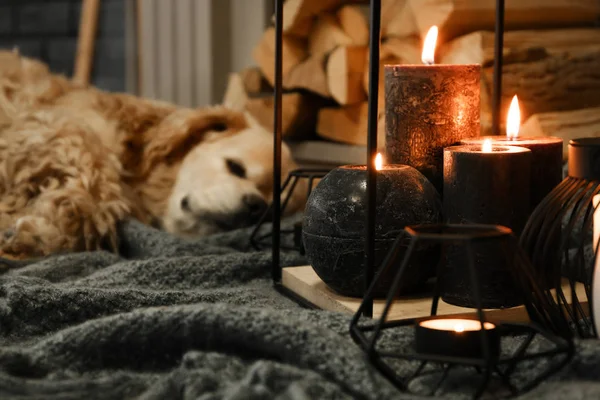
{"x": 224, "y": 171}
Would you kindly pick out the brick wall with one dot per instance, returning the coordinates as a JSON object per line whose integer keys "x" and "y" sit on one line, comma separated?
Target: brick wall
{"x": 47, "y": 30}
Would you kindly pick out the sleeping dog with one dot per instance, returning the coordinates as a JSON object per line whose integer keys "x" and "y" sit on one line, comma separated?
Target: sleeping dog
{"x": 75, "y": 161}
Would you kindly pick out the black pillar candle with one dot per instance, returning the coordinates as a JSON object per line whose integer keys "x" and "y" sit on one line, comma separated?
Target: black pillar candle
{"x": 546, "y": 161}
{"x": 334, "y": 218}
{"x": 487, "y": 186}
{"x": 484, "y": 186}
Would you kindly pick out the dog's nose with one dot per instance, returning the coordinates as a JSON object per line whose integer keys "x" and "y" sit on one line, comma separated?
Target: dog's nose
{"x": 255, "y": 205}
{"x": 185, "y": 204}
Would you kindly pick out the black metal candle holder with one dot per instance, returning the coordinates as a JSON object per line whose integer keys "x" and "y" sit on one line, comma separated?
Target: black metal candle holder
{"x": 490, "y": 360}
{"x": 558, "y": 235}
{"x": 547, "y": 320}
{"x": 275, "y": 210}
{"x": 374, "y": 42}
{"x": 263, "y": 240}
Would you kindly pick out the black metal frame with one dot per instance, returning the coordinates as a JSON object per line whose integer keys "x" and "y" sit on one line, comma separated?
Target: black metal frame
{"x": 541, "y": 309}
{"x": 291, "y": 183}
{"x": 374, "y": 41}
{"x": 277, "y": 141}
{"x": 498, "y": 61}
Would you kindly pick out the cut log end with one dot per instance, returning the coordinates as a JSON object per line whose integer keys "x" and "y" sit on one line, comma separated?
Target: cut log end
{"x": 293, "y": 50}
{"x": 566, "y": 125}
{"x": 345, "y": 71}
{"x": 349, "y": 125}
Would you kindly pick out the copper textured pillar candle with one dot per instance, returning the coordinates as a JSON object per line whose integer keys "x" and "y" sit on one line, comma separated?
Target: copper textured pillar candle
{"x": 484, "y": 185}
{"x": 546, "y": 154}
{"x": 427, "y": 108}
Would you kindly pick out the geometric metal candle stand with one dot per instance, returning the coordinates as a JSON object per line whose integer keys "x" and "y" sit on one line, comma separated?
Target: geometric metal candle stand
{"x": 558, "y": 235}
{"x": 309, "y": 175}
{"x": 545, "y": 321}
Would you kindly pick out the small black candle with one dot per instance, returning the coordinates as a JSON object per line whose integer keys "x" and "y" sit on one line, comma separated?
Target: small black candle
{"x": 456, "y": 337}
{"x": 484, "y": 185}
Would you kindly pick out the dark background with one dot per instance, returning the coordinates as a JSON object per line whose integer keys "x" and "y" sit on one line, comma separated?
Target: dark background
{"x": 47, "y": 30}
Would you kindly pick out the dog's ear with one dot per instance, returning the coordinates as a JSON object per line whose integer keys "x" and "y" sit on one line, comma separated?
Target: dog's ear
{"x": 176, "y": 135}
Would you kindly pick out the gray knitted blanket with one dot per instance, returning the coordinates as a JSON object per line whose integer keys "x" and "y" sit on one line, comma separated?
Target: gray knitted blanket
{"x": 177, "y": 319}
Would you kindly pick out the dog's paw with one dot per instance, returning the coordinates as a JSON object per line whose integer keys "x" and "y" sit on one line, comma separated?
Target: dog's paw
{"x": 31, "y": 236}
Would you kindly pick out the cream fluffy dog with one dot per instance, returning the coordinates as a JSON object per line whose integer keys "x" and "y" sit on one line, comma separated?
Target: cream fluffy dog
{"x": 75, "y": 161}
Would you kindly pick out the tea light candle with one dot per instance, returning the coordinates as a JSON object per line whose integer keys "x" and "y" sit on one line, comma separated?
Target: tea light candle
{"x": 455, "y": 337}
{"x": 546, "y": 154}
{"x": 429, "y": 107}
{"x": 484, "y": 185}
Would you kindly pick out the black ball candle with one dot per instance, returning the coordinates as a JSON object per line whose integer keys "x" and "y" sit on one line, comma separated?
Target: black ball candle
{"x": 334, "y": 225}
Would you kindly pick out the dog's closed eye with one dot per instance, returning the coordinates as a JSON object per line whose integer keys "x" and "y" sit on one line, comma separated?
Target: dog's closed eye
{"x": 236, "y": 168}
{"x": 219, "y": 127}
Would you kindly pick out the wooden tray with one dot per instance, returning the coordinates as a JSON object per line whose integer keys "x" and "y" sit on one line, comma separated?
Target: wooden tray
{"x": 303, "y": 281}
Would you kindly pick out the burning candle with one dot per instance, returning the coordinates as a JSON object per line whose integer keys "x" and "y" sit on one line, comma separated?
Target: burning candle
{"x": 429, "y": 107}
{"x": 546, "y": 154}
{"x": 454, "y": 337}
{"x": 484, "y": 184}
{"x": 334, "y": 218}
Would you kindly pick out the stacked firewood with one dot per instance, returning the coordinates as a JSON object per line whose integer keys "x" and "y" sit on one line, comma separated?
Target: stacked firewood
{"x": 551, "y": 61}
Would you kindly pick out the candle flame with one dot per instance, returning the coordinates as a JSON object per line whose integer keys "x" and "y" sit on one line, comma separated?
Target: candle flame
{"x": 486, "y": 147}
{"x": 513, "y": 120}
{"x": 455, "y": 324}
{"x": 378, "y": 161}
{"x": 428, "y": 55}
